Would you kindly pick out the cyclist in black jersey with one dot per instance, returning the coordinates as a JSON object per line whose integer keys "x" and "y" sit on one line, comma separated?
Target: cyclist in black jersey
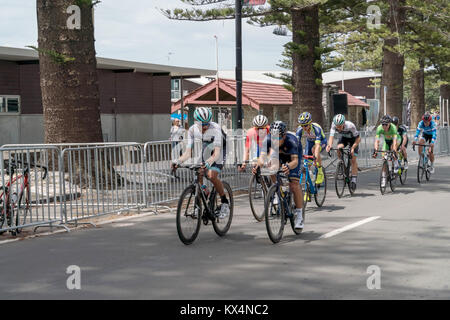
{"x": 403, "y": 143}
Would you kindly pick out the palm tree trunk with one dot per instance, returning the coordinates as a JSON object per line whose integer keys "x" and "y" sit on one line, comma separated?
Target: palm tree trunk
{"x": 70, "y": 95}
{"x": 306, "y": 69}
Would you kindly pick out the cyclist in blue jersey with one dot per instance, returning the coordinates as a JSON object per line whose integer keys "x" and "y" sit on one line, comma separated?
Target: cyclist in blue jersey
{"x": 316, "y": 141}
{"x": 282, "y": 147}
{"x": 426, "y": 133}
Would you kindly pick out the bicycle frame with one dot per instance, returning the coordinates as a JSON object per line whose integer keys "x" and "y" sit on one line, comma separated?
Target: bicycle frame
{"x": 306, "y": 163}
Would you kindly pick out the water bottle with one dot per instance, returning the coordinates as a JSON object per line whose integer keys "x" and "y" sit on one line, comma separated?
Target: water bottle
{"x": 205, "y": 190}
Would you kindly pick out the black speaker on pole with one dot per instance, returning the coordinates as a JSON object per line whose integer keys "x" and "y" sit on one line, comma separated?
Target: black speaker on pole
{"x": 340, "y": 104}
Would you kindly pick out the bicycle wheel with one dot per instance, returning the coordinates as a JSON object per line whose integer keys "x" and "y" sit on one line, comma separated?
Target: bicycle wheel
{"x": 23, "y": 209}
{"x": 384, "y": 176}
{"x": 189, "y": 212}
{"x": 221, "y": 226}
{"x": 420, "y": 169}
{"x": 339, "y": 179}
{"x": 274, "y": 215}
{"x": 393, "y": 177}
{"x": 256, "y": 194}
{"x": 321, "y": 190}
{"x": 427, "y": 171}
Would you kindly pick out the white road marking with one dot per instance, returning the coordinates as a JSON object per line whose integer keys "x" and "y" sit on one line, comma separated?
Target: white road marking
{"x": 346, "y": 228}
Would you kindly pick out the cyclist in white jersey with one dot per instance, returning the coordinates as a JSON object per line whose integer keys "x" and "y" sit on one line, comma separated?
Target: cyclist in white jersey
{"x": 213, "y": 152}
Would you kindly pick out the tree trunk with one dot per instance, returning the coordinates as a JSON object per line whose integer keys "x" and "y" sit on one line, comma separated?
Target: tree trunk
{"x": 417, "y": 95}
{"x": 445, "y": 91}
{"x": 70, "y": 95}
{"x": 393, "y": 62}
{"x": 306, "y": 69}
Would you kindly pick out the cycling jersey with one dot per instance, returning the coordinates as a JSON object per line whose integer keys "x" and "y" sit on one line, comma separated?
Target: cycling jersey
{"x": 390, "y": 135}
{"x": 291, "y": 146}
{"x": 349, "y": 130}
{"x": 401, "y": 132}
{"x": 316, "y": 134}
{"x": 211, "y": 138}
{"x": 254, "y": 140}
{"x": 427, "y": 132}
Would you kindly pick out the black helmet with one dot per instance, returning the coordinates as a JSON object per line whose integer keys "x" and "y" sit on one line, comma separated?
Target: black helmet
{"x": 395, "y": 120}
{"x": 386, "y": 119}
{"x": 278, "y": 127}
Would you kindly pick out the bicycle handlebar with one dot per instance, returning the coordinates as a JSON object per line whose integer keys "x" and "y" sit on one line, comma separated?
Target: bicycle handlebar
{"x": 13, "y": 165}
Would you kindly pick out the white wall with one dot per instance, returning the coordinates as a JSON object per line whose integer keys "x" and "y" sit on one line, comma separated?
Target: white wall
{"x": 16, "y": 129}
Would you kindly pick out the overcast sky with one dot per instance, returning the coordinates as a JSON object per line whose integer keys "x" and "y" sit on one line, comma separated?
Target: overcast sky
{"x": 135, "y": 30}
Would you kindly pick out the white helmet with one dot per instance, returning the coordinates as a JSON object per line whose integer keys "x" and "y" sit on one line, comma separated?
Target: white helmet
{"x": 339, "y": 119}
{"x": 260, "y": 121}
{"x": 203, "y": 114}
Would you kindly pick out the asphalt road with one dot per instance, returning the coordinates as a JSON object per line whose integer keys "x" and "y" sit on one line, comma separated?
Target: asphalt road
{"x": 144, "y": 259}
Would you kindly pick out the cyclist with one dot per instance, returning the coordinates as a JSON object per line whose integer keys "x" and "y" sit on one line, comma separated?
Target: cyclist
{"x": 315, "y": 140}
{"x": 427, "y": 132}
{"x": 255, "y": 136}
{"x": 213, "y": 149}
{"x": 282, "y": 146}
{"x": 349, "y": 137}
{"x": 389, "y": 131}
{"x": 403, "y": 142}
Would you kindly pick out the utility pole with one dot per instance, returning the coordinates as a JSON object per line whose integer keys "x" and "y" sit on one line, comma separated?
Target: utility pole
{"x": 239, "y": 63}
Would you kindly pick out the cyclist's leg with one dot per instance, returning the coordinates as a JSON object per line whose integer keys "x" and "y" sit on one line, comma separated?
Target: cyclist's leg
{"x": 429, "y": 139}
{"x": 421, "y": 141}
{"x": 355, "y": 160}
{"x": 294, "y": 186}
{"x": 213, "y": 175}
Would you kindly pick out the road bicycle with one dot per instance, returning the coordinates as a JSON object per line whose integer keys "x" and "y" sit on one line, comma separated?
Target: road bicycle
{"x": 197, "y": 205}
{"x": 15, "y": 196}
{"x": 388, "y": 172}
{"x": 424, "y": 166}
{"x": 278, "y": 208}
{"x": 342, "y": 176}
{"x": 308, "y": 186}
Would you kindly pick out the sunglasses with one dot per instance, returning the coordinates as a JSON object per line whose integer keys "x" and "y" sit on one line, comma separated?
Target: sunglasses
{"x": 385, "y": 125}
{"x": 205, "y": 124}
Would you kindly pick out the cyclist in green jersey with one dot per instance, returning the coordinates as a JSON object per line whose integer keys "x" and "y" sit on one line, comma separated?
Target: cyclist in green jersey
{"x": 391, "y": 137}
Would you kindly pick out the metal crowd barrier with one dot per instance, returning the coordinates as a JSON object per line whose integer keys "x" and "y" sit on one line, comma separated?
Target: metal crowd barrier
{"x": 90, "y": 180}
{"x": 30, "y": 192}
{"x": 102, "y": 180}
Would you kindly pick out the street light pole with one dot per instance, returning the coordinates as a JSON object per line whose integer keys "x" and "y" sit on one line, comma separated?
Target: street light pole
{"x": 239, "y": 63}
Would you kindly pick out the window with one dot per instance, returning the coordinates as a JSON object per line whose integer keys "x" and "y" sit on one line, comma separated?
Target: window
{"x": 9, "y": 104}
{"x": 175, "y": 89}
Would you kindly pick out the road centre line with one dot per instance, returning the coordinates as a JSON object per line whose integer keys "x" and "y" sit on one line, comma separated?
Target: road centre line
{"x": 346, "y": 228}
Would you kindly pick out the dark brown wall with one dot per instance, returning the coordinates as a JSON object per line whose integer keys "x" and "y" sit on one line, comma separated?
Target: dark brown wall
{"x": 161, "y": 94}
{"x": 358, "y": 87}
{"x": 190, "y": 86}
{"x": 134, "y": 92}
{"x": 30, "y": 89}
{"x": 9, "y": 78}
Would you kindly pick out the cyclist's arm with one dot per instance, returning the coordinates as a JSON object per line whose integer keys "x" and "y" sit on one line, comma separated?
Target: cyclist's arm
{"x": 294, "y": 162}
{"x": 215, "y": 156}
{"x": 433, "y": 140}
{"x": 186, "y": 155}
{"x": 418, "y": 130}
{"x": 357, "y": 142}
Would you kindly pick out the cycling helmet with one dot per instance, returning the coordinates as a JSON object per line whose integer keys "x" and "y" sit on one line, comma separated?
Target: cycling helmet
{"x": 339, "y": 119}
{"x": 305, "y": 118}
{"x": 426, "y": 117}
{"x": 278, "y": 128}
{"x": 260, "y": 121}
{"x": 203, "y": 114}
{"x": 386, "y": 119}
{"x": 395, "y": 120}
